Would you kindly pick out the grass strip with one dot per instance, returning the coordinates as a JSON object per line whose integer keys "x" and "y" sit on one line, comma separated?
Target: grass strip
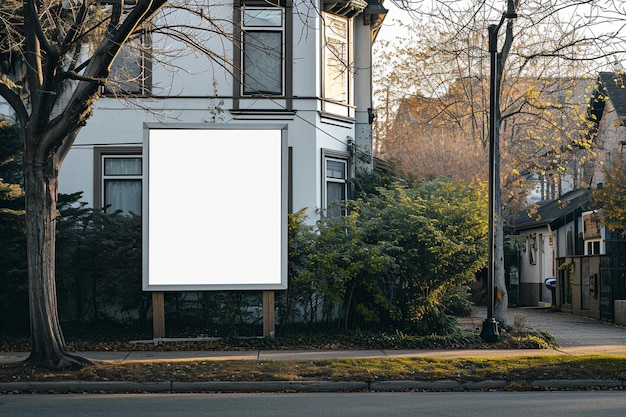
{"x": 381, "y": 369}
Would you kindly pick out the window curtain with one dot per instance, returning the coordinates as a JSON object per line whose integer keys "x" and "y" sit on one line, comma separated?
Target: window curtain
{"x": 124, "y": 195}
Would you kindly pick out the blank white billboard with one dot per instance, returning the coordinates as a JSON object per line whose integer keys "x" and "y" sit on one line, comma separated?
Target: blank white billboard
{"x": 215, "y": 208}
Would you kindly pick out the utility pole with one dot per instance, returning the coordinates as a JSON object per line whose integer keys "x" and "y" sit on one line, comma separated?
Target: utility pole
{"x": 489, "y": 331}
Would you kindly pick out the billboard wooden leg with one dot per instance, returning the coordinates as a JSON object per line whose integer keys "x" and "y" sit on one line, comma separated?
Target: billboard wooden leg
{"x": 158, "y": 314}
{"x": 269, "y": 324}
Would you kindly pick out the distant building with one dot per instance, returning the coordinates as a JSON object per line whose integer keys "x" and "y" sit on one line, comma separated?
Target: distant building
{"x": 553, "y": 230}
{"x": 564, "y": 235}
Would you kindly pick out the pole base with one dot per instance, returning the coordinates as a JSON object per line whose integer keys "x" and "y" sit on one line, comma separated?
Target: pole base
{"x": 490, "y": 331}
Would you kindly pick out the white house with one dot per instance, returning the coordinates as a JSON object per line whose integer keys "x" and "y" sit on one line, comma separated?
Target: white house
{"x": 553, "y": 231}
{"x": 304, "y": 64}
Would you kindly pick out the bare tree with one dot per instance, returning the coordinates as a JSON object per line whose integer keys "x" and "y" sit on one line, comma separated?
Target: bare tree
{"x": 51, "y": 90}
{"x": 56, "y": 57}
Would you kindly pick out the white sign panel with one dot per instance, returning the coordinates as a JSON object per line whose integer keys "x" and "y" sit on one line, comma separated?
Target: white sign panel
{"x": 215, "y": 211}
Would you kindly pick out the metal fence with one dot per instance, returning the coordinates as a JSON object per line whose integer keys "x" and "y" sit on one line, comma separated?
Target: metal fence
{"x": 612, "y": 275}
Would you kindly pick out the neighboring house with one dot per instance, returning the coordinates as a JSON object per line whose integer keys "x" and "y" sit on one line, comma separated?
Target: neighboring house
{"x": 553, "y": 230}
{"x": 607, "y": 124}
{"x": 303, "y": 64}
{"x": 567, "y": 241}
{"x": 607, "y": 131}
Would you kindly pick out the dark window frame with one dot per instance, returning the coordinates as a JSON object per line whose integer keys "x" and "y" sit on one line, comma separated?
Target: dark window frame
{"x": 287, "y": 76}
{"x": 101, "y": 152}
{"x": 344, "y": 157}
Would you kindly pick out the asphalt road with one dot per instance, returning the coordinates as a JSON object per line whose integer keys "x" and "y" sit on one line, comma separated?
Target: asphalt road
{"x": 466, "y": 404}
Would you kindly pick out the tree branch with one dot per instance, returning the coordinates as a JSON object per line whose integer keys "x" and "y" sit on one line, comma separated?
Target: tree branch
{"x": 78, "y": 109}
{"x": 14, "y": 101}
{"x": 73, "y": 33}
{"x": 31, "y": 9}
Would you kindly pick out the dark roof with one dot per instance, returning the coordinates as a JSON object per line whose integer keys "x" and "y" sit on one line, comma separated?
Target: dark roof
{"x": 553, "y": 212}
{"x": 611, "y": 86}
{"x": 615, "y": 85}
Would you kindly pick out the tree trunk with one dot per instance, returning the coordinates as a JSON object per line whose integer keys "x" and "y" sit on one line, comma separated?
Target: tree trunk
{"x": 48, "y": 348}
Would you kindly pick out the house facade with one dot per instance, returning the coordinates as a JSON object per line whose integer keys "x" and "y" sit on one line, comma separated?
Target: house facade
{"x": 607, "y": 130}
{"x": 551, "y": 232}
{"x": 304, "y": 65}
{"x": 564, "y": 236}
{"x": 607, "y": 125}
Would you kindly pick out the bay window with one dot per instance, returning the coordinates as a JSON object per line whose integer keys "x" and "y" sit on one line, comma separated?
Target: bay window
{"x": 337, "y": 61}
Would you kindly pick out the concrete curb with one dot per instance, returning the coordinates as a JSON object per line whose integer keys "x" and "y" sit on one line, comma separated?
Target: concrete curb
{"x": 271, "y": 386}
{"x": 443, "y": 385}
{"x": 63, "y": 387}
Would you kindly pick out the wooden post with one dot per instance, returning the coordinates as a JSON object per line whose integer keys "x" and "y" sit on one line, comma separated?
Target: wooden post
{"x": 269, "y": 323}
{"x": 158, "y": 314}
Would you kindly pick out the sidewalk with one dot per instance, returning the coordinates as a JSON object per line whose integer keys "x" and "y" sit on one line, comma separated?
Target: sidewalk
{"x": 576, "y": 336}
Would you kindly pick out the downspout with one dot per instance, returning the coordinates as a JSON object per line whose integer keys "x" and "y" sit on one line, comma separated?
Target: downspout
{"x": 373, "y": 15}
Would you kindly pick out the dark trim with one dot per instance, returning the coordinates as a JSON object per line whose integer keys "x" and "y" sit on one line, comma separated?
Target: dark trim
{"x": 347, "y": 8}
{"x": 290, "y": 180}
{"x": 331, "y": 117}
{"x": 261, "y": 112}
{"x": 98, "y": 152}
{"x": 326, "y": 153}
{"x": 146, "y": 70}
{"x": 237, "y": 66}
{"x": 288, "y": 51}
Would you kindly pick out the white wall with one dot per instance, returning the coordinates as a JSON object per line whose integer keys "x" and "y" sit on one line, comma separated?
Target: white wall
{"x": 200, "y": 86}
{"x": 532, "y": 276}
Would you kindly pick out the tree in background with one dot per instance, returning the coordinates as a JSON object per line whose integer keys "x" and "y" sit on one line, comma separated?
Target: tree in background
{"x": 435, "y": 233}
{"x": 13, "y": 268}
{"x": 434, "y": 95}
{"x": 99, "y": 264}
{"x": 612, "y": 197}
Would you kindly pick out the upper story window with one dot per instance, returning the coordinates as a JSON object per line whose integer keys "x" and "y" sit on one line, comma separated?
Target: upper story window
{"x": 263, "y": 53}
{"x": 337, "y": 61}
{"x": 131, "y": 72}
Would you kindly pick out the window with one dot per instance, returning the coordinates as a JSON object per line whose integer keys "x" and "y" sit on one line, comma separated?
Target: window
{"x": 336, "y": 184}
{"x": 262, "y": 50}
{"x": 131, "y": 71}
{"x": 119, "y": 181}
{"x": 337, "y": 72}
{"x": 593, "y": 247}
{"x": 532, "y": 249}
